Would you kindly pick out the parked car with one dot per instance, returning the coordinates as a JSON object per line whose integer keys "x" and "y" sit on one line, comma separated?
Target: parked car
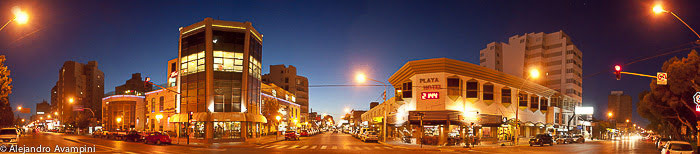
{"x": 98, "y": 133}
{"x": 579, "y": 139}
{"x": 677, "y": 147}
{"x": 157, "y": 138}
{"x": 132, "y": 136}
{"x": 369, "y": 136}
{"x": 9, "y": 136}
{"x": 291, "y": 135}
{"x": 542, "y": 139}
{"x": 304, "y": 133}
{"x": 661, "y": 142}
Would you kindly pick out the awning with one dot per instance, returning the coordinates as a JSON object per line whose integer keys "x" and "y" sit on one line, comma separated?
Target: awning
{"x": 178, "y": 118}
{"x": 256, "y": 118}
{"x": 435, "y": 117}
{"x": 228, "y": 116}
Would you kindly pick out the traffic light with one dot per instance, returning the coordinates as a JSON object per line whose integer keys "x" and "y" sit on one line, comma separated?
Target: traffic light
{"x": 618, "y": 70}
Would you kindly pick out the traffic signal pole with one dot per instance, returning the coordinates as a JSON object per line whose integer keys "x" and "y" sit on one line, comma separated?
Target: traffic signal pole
{"x": 637, "y": 74}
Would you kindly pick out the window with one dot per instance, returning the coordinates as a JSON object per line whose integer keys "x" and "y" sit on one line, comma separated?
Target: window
{"x": 534, "y": 102}
{"x": 481, "y": 54}
{"x": 453, "y": 87}
{"x": 407, "y": 90}
{"x": 543, "y": 104}
{"x": 472, "y": 89}
{"x": 153, "y": 105}
{"x": 192, "y": 63}
{"x": 286, "y": 80}
{"x": 488, "y": 91}
{"x": 162, "y": 99}
{"x": 505, "y": 95}
{"x": 228, "y": 61}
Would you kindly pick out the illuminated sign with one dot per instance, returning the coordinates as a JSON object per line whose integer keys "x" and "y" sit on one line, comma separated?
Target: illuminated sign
{"x": 661, "y": 78}
{"x": 39, "y": 112}
{"x": 430, "y": 80}
{"x": 697, "y": 107}
{"x": 172, "y": 80}
{"x": 429, "y": 95}
{"x": 696, "y": 98}
{"x": 583, "y": 110}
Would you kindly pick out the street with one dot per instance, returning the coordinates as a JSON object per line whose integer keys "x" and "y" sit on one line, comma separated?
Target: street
{"x": 321, "y": 143}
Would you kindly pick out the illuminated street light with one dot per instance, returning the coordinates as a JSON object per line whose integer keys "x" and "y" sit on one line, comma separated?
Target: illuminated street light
{"x": 20, "y": 16}
{"x": 159, "y": 116}
{"x": 361, "y": 78}
{"x": 42, "y": 118}
{"x": 347, "y": 110}
{"x": 70, "y": 100}
{"x": 119, "y": 120}
{"x": 658, "y": 9}
{"x": 49, "y": 116}
{"x": 19, "y": 108}
{"x": 55, "y": 113}
{"x": 534, "y": 73}
{"x": 278, "y": 118}
{"x": 609, "y": 114}
{"x": 22, "y": 120}
{"x": 627, "y": 121}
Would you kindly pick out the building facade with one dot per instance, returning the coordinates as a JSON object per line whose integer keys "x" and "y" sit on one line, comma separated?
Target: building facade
{"x": 287, "y": 78}
{"x": 620, "y": 105}
{"x": 219, "y": 81}
{"x": 287, "y": 109}
{"x": 123, "y": 112}
{"x": 160, "y": 107}
{"x": 450, "y": 97}
{"x": 554, "y": 54}
{"x": 78, "y": 86}
{"x": 133, "y": 86}
{"x": 43, "y": 108}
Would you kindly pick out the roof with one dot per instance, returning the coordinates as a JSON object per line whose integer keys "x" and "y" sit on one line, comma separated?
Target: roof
{"x": 457, "y": 67}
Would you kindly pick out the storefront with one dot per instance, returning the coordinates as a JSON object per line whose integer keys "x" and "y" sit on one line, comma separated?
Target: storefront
{"x": 454, "y": 100}
{"x": 223, "y": 127}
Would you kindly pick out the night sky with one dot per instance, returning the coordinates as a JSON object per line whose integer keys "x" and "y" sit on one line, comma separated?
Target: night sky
{"x": 329, "y": 41}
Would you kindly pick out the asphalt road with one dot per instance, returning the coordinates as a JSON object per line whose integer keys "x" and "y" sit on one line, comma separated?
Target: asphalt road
{"x": 322, "y": 143}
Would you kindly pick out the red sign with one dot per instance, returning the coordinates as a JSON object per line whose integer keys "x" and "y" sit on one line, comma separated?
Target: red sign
{"x": 430, "y": 95}
{"x": 697, "y": 107}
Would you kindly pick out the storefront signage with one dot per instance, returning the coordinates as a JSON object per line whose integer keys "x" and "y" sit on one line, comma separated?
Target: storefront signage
{"x": 661, "y": 78}
{"x": 428, "y": 81}
{"x": 430, "y": 95}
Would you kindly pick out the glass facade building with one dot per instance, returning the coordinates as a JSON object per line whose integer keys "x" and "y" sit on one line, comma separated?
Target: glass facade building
{"x": 219, "y": 81}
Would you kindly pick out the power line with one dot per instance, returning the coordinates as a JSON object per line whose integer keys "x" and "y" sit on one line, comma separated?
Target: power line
{"x": 651, "y": 57}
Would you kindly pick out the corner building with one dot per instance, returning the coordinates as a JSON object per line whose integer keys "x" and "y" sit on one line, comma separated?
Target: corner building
{"x": 219, "y": 81}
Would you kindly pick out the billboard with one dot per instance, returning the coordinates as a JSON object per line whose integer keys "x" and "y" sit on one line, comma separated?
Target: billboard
{"x": 583, "y": 110}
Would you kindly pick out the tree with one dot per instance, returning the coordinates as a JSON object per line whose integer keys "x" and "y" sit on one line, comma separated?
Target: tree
{"x": 6, "y": 115}
{"x": 671, "y": 107}
{"x": 271, "y": 110}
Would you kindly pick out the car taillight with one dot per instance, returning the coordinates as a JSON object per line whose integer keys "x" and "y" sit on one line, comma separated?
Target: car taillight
{"x": 668, "y": 152}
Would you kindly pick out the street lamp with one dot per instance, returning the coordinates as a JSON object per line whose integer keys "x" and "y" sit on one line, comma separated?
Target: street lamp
{"x": 278, "y": 127}
{"x": 361, "y": 78}
{"x": 534, "y": 74}
{"x": 55, "y": 113}
{"x": 20, "y": 16}
{"x": 610, "y": 114}
{"x": 19, "y": 108}
{"x": 49, "y": 116}
{"x": 119, "y": 120}
{"x": 70, "y": 100}
{"x": 657, "y": 9}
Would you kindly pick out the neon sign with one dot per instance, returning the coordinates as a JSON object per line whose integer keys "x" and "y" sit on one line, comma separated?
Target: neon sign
{"x": 429, "y": 95}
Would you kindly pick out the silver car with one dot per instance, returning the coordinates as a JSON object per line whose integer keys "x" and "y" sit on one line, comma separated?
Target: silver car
{"x": 9, "y": 136}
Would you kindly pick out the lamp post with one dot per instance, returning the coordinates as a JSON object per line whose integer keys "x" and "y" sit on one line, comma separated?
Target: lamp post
{"x": 610, "y": 114}
{"x": 119, "y": 120}
{"x": 534, "y": 74}
{"x": 278, "y": 127}
{"x": 361, "y": 78}
{"x": 21, "y": 17}
{"x": 659, "y": 9}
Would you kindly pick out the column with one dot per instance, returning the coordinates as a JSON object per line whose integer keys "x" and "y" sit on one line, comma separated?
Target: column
{"x": 209, "y": 131}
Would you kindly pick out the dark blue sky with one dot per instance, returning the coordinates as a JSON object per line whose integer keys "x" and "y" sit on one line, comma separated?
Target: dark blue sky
{"x": 328, "y": 41}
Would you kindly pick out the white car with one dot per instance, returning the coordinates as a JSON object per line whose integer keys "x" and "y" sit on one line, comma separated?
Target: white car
{"x": 9, "y": 136}
{"x": 677, "y": 147}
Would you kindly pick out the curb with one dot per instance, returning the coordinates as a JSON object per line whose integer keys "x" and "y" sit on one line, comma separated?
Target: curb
{"x": 407, "y": 148}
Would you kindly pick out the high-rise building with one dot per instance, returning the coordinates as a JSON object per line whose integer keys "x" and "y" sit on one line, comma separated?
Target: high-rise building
{"x": 43, "y": 108}
{"x": 219, "y": 80}
{"x": 78, "y": 86}
{"x": 287, "y": 78}
{"x": 620, "y": 105}
{"x": 553, "y": 54}
{"x": 133, "y": 86}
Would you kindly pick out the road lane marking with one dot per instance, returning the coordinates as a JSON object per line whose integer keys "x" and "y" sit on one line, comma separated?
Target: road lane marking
{"x": 376, "y": 147}
{"x": 323, "y": 147}
{"x": 304, "y": 147}
{"x": 313, "y": 147}
{"x": 292, "y": 147}
{"x": 280, "y": 146}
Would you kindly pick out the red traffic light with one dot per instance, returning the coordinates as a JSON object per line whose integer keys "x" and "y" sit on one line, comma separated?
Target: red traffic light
{"x": 148, "y": 79}
{"x": 618, "y": 68}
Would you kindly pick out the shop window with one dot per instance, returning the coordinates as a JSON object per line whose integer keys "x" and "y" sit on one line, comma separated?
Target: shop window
{"x": 488, "y": 91}
{"x": 472, "y": 89}
{"x": 505, "y": 95}
{"x": 407, "y": 90}
{"x": 522, "y": 100}
{"x": 227, "y": 130}
{"x": 453, "y": 87}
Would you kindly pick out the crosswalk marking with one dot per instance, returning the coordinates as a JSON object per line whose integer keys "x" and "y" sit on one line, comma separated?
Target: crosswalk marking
{"x": 334, "y": 147}
{"x": 313, "y": 147}
{"x": 376, "y": 147}
{"x": 323, "y": 147}
{"x": 304, "y": 147}
{"x": 292, "y": 147}
{"x": 281, "y": 146}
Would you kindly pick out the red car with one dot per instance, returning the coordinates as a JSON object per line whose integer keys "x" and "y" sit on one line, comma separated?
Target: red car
{"x": 157, "y": 138}
{"x": 291, "y": 135}
{"x": 305, "y": 133}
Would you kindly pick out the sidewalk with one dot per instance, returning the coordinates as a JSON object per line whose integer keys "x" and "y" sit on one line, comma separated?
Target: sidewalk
{"x": 402, "y": 145}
